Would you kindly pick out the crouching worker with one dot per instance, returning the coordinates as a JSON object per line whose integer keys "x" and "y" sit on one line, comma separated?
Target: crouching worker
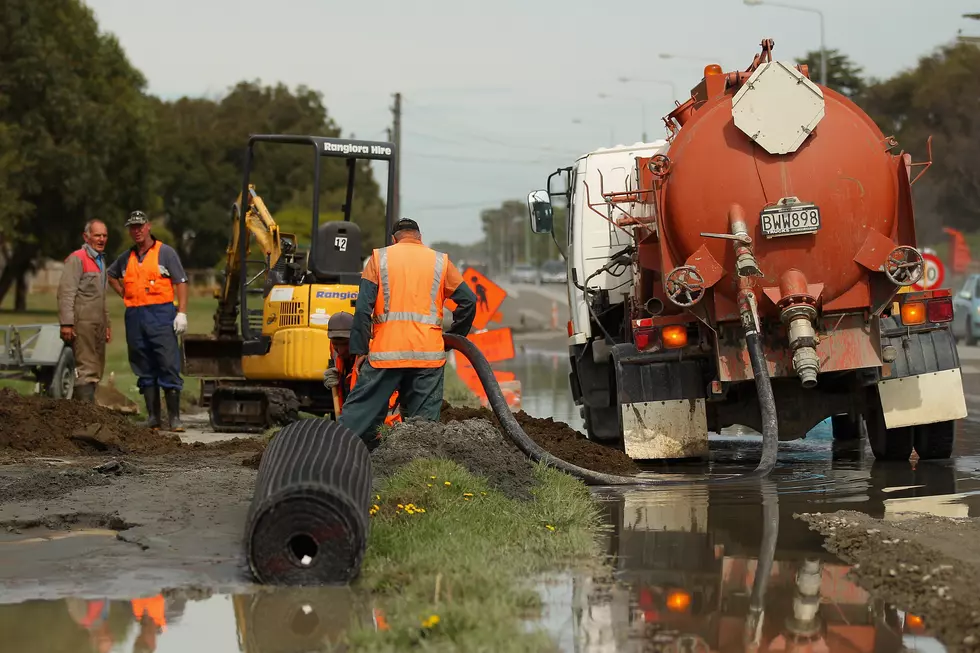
{"x": 397, "y": 331}
{"x": 342, "y": 375}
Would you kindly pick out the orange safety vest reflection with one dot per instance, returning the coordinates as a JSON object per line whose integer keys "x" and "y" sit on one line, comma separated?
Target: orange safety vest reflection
{"x": 408, "y": 310}
{"x": 143, "y": 284}
{"x": 153, "y": 607}
{"x": 394, "y": 414}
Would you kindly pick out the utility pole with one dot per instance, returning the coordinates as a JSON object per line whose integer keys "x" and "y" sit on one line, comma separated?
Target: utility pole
{"x": 396, "y": 136}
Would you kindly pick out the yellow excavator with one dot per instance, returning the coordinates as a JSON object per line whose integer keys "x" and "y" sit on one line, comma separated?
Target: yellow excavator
{"x": 263, "y": 362}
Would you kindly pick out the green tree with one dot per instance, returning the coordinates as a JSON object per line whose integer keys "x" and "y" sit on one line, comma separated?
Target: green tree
{"x": 74, "y": 132}
{"x": 843, "y": 75}
{"x": 199, "y": 158}
{"x": 937, "y": 98}
{"x": 508, "y": 237}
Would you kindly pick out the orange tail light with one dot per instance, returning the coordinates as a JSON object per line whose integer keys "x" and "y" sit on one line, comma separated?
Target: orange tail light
{"x": 913, "y": 313}
{"x": 674, "y": 336}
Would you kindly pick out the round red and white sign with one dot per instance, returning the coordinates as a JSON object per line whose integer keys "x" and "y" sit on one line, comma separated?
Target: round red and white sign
{"x": 933, "y": 273}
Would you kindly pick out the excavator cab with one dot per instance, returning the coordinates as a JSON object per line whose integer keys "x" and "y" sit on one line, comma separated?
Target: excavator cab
{"x": 264, "y": 360}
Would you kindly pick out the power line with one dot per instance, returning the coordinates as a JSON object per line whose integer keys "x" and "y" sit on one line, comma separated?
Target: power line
{"x": 463, "y": 159}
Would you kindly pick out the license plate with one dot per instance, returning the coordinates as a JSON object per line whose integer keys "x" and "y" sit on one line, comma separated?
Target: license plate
{"x": 790, "y": 220}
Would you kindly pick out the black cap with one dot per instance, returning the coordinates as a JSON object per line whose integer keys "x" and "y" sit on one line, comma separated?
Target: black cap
{"x": 405, "y": 223}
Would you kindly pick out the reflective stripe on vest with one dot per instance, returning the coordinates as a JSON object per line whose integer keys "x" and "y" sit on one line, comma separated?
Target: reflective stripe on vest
{"x": 143, "y": 285}
{"x": 408, "y": 338}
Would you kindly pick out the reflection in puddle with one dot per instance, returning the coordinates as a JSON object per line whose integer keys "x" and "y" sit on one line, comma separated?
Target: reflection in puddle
{"x": 273, "y": 621}
{"x": 688, "y": 583}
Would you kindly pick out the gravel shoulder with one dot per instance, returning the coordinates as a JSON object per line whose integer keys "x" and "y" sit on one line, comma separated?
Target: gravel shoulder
{"x": 929, "y": 566}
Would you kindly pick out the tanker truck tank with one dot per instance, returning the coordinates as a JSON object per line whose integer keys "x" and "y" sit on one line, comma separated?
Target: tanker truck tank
{"x": 775, "y": 212}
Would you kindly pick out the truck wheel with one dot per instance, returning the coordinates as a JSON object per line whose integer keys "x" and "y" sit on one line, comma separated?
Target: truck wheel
{"x": 845, "y": 428}
{"x": 935, "y": 441}
{"x": 886, "y": 444}
{"x": 62, "y": 383}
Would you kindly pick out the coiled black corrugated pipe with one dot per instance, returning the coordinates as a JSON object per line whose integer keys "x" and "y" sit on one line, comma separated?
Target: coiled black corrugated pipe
{"x": 767, "y": 404}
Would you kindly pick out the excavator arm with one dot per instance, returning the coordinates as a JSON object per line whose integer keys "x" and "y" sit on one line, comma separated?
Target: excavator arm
{"x": 265, "y": 231}
{"x": 219, "y": 353}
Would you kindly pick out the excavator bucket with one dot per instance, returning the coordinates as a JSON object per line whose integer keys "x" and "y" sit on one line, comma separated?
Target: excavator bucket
{"x": 208, "y": 356}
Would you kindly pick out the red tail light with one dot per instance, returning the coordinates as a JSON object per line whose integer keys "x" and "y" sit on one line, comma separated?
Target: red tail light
{"x": 643, "y": 338}
{"x": 940, "y": 310}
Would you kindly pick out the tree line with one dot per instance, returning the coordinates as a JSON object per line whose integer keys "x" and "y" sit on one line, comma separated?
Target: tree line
{"x": 939, "y": 97}
{"x": 81, "y": 138}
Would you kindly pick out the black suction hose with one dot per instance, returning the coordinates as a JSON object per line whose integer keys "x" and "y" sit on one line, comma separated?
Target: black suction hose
{"x": 512, "y": 428}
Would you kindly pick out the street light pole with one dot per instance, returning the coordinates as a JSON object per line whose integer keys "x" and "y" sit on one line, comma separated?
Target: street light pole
{"x": 823, "y": 47}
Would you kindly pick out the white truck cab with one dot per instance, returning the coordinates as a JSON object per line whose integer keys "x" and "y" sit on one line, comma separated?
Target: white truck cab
{"x": 593, "y": 240}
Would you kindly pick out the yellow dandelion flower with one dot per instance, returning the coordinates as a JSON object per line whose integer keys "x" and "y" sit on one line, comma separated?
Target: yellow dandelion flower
{"x": 432, "y": 478}
{"x": 483, "y": 493}
{"x": 428, "y": 484}
{"x": 447, "y": 483}
{"x": 431, "y": 621}
{"x": 549, "y": 527}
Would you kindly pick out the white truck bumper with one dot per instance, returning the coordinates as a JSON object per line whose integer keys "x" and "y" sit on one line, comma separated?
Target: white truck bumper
{"x": 923, "y": 399}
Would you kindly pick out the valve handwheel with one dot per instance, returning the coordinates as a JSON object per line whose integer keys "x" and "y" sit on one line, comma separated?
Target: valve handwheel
{"x": 904, "y": 266}
{"x": 684, "y": 286}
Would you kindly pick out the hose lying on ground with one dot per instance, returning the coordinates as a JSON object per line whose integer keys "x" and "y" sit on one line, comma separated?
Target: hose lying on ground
{"x": 767, "y": 404}
{"x": 309, "y": 518}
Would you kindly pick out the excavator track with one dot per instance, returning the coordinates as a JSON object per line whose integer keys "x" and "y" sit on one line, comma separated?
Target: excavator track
{"x": 252, "y": 409}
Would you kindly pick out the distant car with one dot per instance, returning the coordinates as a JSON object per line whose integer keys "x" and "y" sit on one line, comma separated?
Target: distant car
{"x": 554, "y": 272}
{"x": 966, "y": 311}
{"x": 524, "y": 273}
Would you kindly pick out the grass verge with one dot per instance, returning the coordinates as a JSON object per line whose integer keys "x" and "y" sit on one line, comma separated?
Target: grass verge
{"x": 448, "y": 556}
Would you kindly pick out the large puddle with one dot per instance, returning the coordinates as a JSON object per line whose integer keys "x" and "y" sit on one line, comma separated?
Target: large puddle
{"x": 724, "y": 568}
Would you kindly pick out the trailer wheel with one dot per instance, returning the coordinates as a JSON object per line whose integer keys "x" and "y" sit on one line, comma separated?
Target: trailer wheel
{"x": 886, "y": 443}
{"x": 935, "y": 441}
{"x": 62, "y": 383}
{"x": 845, "y": 428}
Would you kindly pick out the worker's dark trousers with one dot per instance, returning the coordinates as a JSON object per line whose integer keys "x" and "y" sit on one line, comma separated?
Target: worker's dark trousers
{"x": 154, "y": 353}
{"x": 419, "y": 395}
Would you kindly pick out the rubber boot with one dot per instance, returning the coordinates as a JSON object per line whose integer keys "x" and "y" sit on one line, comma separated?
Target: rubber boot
{"x": 152, "y": 397}
{"x": 85, "y": 393}
{"x": 173, "y": 410}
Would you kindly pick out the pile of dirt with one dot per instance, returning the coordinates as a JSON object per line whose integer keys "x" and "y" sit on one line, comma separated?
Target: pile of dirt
{"x": 475, "y": 444}
{"x": 927, "y": 565}
{"x": 55, "y": 427}
{"x": 557, "y": 438}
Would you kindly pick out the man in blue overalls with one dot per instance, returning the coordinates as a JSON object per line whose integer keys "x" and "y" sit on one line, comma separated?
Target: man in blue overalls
{"x": 149, "y": 276}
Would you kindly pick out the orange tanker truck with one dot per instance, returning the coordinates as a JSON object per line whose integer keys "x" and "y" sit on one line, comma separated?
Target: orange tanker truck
{"x": 771, "y": 232}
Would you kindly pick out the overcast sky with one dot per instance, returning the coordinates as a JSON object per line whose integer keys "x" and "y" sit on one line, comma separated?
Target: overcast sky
{"x": 496, "y": 95}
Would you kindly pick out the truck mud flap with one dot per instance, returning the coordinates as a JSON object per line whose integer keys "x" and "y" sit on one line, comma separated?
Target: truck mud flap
{"x": 309, "y": 518}
{"x": 923, "y": 384}
{"x": 661, "y": 406}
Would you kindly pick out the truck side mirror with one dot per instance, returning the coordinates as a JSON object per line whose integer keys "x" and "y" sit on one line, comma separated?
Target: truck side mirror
{"x": 540, "y": 212}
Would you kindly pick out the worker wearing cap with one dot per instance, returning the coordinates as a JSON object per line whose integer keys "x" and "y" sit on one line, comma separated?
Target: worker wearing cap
{"x": 82, "y": 309}
{"x": 397, "y": 331}
{"x": 338, "y": 375}
{"x": 342, "y": 375}
{"x": 149, "y": 276}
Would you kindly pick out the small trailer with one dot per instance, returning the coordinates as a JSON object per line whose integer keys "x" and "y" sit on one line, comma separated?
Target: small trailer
{"x": 36, "y": 352}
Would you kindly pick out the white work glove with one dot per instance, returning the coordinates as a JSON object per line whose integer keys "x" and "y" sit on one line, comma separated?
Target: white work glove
{"x": 180, "y": 323}
{"x": 331, "y": 378}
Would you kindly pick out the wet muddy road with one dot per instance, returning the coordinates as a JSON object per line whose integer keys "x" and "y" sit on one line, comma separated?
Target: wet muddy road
{"x": 724, "y": 568}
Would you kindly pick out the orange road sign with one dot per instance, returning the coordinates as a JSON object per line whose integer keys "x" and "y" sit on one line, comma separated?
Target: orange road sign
{"x": 489, "y": 297}
{"x": 497, "y": 345}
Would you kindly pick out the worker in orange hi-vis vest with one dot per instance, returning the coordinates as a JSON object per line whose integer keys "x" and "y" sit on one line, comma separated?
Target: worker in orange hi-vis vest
{"x": 342, "y": 374}
{"x": 397, "y": 332}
